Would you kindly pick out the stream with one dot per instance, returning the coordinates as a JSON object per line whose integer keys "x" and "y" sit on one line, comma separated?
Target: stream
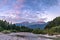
{"x": 23, "y": 36}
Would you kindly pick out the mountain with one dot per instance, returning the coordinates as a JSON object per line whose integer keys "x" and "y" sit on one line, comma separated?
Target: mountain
{"x": 32, "y": 25}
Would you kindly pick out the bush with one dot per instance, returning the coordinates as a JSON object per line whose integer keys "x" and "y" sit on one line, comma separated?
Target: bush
{"x": 38, "y": 31}
{"x": 1, "y": 29}
{"x": 6, "y": 31}
{"x": 13, "y": 31}
{"x": 54, "y": 30}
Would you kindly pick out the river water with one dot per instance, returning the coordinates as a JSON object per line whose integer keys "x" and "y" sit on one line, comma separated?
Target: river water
{"x": 28, "y": 36}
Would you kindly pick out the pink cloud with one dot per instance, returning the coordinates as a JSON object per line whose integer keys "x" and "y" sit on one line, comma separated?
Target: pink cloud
{"x": 18, "y": 5}
{"x": 3, "y": 2}
{"x": 17, "y": 12}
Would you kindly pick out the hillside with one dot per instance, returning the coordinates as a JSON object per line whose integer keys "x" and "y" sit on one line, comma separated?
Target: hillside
{"x": 55, "y": 22}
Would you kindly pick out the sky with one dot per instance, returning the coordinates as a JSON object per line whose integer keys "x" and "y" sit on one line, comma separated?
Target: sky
{"x": 17, "y": 11}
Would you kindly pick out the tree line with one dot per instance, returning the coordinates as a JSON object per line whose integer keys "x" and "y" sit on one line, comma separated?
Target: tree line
{"x": 6, "y": 26}
{"x": 53, "y": 27}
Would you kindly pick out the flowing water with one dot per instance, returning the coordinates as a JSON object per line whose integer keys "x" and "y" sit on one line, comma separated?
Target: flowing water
{"x": 28, "y": 36}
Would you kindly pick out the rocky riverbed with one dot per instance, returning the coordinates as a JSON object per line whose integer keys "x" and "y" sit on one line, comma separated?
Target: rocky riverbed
{"x": 21, "y": 36}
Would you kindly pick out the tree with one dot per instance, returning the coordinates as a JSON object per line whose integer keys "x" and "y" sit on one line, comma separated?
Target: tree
{"x": 54, "y": 23}
{"x": 25, "y": 29}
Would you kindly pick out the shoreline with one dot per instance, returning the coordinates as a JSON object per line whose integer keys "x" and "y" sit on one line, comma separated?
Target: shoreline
{"x": 28, "y": 34}
{"x": 36, "y": 35}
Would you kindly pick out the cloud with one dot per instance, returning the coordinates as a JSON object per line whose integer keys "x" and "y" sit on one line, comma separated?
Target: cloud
{"x": 18, "y": 4}
{"x": 10, "y": 16}
{"x": 17, "y": 16}
{"x": 40, "y": 4}
{"x": 27, "y": 10}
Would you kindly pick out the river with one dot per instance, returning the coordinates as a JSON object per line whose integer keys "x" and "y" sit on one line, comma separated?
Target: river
{"x": 26, "y": 36}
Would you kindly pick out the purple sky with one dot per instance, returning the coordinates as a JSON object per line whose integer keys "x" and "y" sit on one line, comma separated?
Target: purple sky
{"x": 29, "y": 10}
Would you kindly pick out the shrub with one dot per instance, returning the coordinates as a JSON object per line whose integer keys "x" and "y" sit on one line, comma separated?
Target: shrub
{"x": 6, "y": 31}
{"x": 38, "y": 31}
{"x": 1, "y": 29}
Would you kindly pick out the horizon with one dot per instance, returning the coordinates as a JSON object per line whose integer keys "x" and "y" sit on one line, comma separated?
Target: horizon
{"x": 17, "y": 11}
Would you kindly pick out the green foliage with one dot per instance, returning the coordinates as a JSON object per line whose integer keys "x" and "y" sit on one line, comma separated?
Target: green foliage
{"x": 38, "y": 31}
{"x": 51, "y": 28}
{"x": 1, "y": 29}
{"x": 54, "y": 30}
{"x": 54, "y": 23}
{"x": 50, "y": 32}
{"x": 25, "y": 29}
{"x": 13, "y": 30}
{"x": 6, "y": 31}
{"x": 4, "y": 26}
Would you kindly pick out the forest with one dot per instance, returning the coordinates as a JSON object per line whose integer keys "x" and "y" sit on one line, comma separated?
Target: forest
{"x": 52, "y": 27}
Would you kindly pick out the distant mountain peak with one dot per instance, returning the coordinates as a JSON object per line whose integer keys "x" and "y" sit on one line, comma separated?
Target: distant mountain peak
{"x": 32, "y": 24}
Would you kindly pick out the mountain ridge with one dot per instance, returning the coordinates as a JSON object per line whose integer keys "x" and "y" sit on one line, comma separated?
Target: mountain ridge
{"x": 32, "y": 25}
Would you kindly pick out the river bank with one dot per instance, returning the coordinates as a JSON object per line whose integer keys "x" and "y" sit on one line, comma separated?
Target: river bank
{"x": 25, "y": 36}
